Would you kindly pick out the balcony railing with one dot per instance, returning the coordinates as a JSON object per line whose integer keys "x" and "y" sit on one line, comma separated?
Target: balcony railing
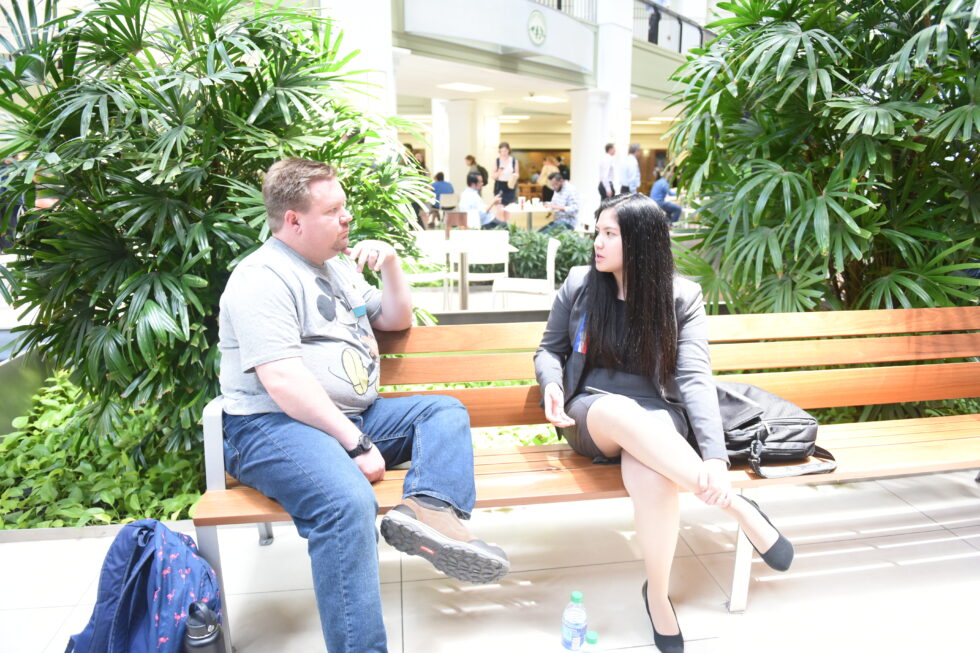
{"x": 584, "y": 10}
{"x": 654, "y": 23}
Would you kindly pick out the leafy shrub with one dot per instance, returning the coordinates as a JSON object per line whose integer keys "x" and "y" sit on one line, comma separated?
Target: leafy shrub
{"x": 530, "y": 259}
{"x": 152, "y": 122}
{"x": 835, "y": 147}
{"x": 56, "y": 473}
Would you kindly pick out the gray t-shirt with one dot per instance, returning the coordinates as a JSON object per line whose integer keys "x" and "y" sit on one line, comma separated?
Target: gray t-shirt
{"x": 279, "y": 305}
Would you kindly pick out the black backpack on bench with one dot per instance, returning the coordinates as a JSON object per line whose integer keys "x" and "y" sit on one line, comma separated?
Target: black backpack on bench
{"x": 761, "y": 427}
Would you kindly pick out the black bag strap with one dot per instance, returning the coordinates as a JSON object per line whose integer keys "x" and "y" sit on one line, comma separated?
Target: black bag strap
{"x": 828, "y": 465}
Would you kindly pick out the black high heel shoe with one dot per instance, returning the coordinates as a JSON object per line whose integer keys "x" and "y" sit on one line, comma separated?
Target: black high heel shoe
{"x": 780, "y": 554}
{"x": 666, "y": 643}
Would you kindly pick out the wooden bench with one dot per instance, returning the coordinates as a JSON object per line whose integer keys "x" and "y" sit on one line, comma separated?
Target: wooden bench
{"x": 818, "y": 360}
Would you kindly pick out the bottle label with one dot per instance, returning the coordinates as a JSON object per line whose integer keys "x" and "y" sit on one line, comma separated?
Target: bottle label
{"x": 572, "y": 635}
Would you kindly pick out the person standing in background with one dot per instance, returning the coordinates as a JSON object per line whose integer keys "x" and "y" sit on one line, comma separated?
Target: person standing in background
{"x": 563, "y": 168}
{"x": 630, "y": 174}
{"x": 607, "y": 173}
{"x": 473, "y": 166}
{"x": 505, "y": 175}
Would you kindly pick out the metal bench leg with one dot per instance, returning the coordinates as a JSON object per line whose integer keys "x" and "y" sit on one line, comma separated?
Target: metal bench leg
{"x": 741, "y": 574}
{"x": 207, "y": 545}
{"x": 265, "y": 533}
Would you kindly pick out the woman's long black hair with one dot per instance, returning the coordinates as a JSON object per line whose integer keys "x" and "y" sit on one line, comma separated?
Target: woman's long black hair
{"x": 649, "y": 345}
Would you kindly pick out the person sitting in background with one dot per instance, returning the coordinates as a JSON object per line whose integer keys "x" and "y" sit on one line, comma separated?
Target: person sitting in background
{"x": 470, "y": 200}
{"x": 661, "y": 189}
{"x": 549, "y": 168}
{"x": 441, "y": 187}
{"x": 564, "y": 202}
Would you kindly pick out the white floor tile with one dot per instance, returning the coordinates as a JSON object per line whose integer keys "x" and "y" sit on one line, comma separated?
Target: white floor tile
{"x": 856, "y": 588}
{"x": 73, "y": 624}
{"x": 808, "y": 514}
{"x": 553, "y": 535}
{"x": 50, "y": 573}
{"x": 969, "y": 535}
{"x": 281, "y": 566}
{"x": 30, "y": 630}
{"x": 951, "y": 499}
{"x": 523, "y": 611}
{"x": 288, "y": 622}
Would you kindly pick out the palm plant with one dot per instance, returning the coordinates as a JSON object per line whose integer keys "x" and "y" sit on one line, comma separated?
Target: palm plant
{"x": 151, "y": 122}
{"x": 835, "y": 148}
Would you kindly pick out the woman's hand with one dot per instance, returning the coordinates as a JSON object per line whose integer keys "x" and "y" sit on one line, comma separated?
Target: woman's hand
{"x": 714, "y": 486}
{"x": 554, "y": 406}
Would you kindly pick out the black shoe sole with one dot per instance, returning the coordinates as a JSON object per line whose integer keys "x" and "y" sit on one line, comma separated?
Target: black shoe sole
{"x": 452, "y": 557}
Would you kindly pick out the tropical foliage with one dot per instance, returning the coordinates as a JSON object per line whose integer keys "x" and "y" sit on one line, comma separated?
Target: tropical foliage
{"x": 55, "y": 475}
{"x": 151, "y": 122}
{"x": 836, "y": 149}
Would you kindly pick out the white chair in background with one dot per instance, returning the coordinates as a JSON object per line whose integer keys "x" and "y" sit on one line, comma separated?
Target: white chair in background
{"x": 434, "y": 248}
{"x": 479, "y": 247}
{"x": 544, "y": 287}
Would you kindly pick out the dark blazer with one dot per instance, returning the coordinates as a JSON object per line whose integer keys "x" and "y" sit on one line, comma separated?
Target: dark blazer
{"x": 691, "y": 387}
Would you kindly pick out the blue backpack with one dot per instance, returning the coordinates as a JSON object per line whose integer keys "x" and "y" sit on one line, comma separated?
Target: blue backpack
{"x": 149, "y": 578}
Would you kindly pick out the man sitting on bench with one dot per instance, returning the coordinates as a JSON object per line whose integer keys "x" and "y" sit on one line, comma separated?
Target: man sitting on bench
{"x": 303, "y": 422}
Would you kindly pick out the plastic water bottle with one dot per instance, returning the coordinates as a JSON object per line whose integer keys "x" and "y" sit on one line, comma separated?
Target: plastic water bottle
{"x": 574, "y": 624}
{"x": 591, "y": 643}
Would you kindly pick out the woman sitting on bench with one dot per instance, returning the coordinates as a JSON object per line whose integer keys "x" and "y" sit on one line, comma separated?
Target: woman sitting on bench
{"x": 627, "y": 340}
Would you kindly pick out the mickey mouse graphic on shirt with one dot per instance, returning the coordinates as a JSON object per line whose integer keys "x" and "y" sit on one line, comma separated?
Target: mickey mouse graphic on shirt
{"x": 359, "y": 370}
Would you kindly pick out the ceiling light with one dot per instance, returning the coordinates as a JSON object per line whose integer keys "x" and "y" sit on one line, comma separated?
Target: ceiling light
{"x": 505, "y": 121}
{"x": 464, "y": 87}
{"x": 545, "y": 99}
{"x": 417, "y": 117}
{"x": 509, "y": 117}
{"x": 645, "y": 122}
{"x": 668, "y": 118}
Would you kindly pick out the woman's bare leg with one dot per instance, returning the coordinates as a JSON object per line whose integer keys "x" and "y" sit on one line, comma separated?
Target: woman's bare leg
{"x": 657, "y": 519}
{"x": 619, "y": 424}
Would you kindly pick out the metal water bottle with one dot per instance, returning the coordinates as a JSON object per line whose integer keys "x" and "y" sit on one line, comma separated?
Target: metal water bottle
{"x": 203, "y": 634}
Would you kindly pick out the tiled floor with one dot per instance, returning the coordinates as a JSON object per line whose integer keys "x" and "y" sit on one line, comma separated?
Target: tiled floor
{"x": 881, "y": 566}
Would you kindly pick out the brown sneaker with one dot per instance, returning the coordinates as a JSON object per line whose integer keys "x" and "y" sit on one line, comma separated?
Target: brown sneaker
{"x": 438, "y": 535}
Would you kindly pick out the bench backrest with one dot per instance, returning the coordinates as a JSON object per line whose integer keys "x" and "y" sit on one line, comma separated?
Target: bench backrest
{"x": 818, "y": 360}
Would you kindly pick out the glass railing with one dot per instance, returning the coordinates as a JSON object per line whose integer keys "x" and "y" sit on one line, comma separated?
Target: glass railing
{"x": 584, "y": 10}
{"x": 654, "y": 23}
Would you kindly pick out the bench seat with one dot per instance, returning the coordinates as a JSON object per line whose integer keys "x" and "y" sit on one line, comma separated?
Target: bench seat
{"x": 817, "y": 360}
{"x": 548, "y": 473}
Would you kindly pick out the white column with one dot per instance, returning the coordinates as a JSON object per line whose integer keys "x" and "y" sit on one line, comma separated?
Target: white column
{"x": 614, "y": 56}
{"x": 367, "y": 27}
{"x": 440, "y": 139}
{"x": 487, "y": 139}
{"x": 474, "y": 128}
{"x": 588, "y": 137}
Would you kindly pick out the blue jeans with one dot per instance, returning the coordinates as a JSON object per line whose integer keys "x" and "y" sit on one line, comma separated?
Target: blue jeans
{"x": 672, "y": 210}
{"x": 333, "y": 505}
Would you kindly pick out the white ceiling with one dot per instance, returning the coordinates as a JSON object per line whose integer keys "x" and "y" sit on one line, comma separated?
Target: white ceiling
{"x": 417, "y": 81}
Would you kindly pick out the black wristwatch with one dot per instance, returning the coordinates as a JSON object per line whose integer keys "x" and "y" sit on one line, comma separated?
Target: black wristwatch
{"x": 364, "y": 445}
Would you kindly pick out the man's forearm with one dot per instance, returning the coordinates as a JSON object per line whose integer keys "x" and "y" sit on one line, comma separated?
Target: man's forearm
{"x": 396, "y": 300}
{"x": 298, "y": 393}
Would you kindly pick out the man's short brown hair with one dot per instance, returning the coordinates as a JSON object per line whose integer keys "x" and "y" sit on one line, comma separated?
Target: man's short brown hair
{"x": 287, "y": 187}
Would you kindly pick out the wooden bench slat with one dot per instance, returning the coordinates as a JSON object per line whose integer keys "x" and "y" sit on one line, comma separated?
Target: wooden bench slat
{"x": 813, "y": 353}
{"x": 871, "y": 385}
{"x": 455, "y": 369}
{"x": 827, "y": 324}
{"x": 462, "y": 337}
{"x": 721, "y": 328}
{"x": 514, "y": 405}
{"x": 724, "y": 357}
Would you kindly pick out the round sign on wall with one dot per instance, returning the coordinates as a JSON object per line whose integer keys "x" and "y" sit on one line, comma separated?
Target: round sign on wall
{"x": 537, "y": 30}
